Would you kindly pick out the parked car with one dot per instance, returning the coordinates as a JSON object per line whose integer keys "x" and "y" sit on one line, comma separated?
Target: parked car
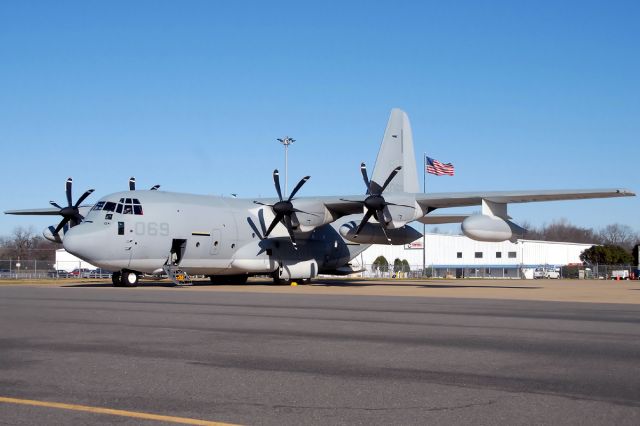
{"x": 538, "y": 273}
{"x": 621, "y": 274}
{"x": 553, "y": 273}
{"x": 60, "y": 273}
{"x": 5, "y": 273}
{"x": 100, "y": 273}
{"x": 80, "y": 273}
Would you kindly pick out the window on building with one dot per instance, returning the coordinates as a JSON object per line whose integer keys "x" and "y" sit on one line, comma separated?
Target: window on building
{"x": 498, "y": 255}
{"x": 459, "y": 255}
{"x": 478, "y": 255}
{"x": 512, "y": 255}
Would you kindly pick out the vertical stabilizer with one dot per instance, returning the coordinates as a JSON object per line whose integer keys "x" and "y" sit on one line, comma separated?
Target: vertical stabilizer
{"x": 397, "y": 150}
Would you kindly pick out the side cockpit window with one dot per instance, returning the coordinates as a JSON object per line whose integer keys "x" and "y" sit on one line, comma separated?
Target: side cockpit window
{"x": 98, "y": 206}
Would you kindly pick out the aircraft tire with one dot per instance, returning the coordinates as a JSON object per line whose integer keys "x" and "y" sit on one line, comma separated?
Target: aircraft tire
{"x": 116, "y": 279}
{"x": 128, "y": 279}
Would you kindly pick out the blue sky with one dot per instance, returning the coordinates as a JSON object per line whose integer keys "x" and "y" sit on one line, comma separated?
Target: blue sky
{"x": 193, "y": 94}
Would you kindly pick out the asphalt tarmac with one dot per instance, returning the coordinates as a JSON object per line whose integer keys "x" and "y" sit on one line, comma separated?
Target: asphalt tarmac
{"x": 290, "y": 359}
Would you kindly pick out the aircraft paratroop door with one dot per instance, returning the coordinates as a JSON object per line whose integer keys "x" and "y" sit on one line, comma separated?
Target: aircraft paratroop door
{"x": 178, "y": 247}
{"x": 216, "y": 237}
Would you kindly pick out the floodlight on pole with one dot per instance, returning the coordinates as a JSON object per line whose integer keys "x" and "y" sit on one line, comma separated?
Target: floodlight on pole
{"x": 286, "y": 141}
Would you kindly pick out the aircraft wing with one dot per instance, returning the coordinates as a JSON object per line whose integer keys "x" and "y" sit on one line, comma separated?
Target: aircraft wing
{"x": 462, "y": 199}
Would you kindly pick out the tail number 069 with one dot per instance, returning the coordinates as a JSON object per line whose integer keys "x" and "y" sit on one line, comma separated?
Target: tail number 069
{"x": 152, "y": 229}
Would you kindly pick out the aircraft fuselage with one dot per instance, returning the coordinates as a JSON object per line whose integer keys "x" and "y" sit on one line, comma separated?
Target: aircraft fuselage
{"x": 143, "y": 230}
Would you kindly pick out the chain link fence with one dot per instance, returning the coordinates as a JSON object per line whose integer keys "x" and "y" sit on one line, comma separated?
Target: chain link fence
{"x": 603, "y": 272}
{"x": 39, "y": 269}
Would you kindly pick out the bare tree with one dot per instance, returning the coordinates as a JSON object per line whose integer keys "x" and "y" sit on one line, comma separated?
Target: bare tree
{"x": 25, "y": 244}
{"x": 618, "y": 235}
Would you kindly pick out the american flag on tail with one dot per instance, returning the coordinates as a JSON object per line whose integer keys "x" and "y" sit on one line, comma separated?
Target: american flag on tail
{"x": 437, "y": 168}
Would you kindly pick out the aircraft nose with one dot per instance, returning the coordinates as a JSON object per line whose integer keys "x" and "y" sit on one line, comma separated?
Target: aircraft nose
{"x": 80, "y": 241}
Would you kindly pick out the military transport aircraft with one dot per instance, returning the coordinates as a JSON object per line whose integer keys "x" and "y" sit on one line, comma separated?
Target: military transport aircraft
{"x": 293, "y": 238}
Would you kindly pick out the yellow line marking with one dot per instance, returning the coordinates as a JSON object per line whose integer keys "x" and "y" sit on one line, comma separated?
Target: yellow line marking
{"x": 112, "y": 412}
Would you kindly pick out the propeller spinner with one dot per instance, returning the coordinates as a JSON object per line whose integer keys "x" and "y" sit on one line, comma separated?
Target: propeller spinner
{"x": 375, "y": 202}
{"x": 284, "y": 209}
{"x": 70, "y": 213}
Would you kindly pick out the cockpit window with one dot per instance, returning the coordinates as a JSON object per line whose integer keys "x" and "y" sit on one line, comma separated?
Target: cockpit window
{"x": 98, "y": 206}
{"x": 125, "y": 206}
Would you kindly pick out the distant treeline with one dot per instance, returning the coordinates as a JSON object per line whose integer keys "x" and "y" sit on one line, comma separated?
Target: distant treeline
{"x": 611, "y": 235}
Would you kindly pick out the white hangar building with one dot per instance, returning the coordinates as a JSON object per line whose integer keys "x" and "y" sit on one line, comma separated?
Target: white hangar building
{"x": 462, "y": 257}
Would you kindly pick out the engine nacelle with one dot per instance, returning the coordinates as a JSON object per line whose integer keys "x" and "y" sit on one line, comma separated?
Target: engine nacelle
{"x": 372, "y": 233}
{"x": 403, "y": 211}
{"x": 299, "y": 270}
{"x": 54, "y": 238}
{"x": 482, "y": 227}
{"x": 314, "y": 214}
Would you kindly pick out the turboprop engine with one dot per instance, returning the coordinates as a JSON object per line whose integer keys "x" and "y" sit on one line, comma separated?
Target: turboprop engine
{"x": 372, "y": 233}
{"x": 310, "y": 214}
{"x": 401, "y": 210}
{"x": 481, "y": 227}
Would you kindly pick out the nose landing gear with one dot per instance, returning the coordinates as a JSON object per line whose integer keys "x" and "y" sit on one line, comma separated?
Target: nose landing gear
{"x": 124, "y": 278}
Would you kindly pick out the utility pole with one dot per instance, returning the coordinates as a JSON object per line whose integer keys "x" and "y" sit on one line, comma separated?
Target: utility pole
{"x": 424, "y": 227}
{"x": 286, "y": 141}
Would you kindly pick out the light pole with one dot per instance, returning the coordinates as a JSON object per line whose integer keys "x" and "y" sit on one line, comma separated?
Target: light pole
{"x": 286, "y": 141}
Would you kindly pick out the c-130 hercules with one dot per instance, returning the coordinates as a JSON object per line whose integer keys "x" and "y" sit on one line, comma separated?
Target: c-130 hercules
{"x": 229, "y": 239}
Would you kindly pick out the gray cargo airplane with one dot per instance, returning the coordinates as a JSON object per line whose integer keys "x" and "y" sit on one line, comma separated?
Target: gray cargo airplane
{"x": 292, "y": 238}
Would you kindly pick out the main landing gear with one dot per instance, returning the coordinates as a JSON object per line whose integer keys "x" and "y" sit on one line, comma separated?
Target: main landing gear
{"x": 124, "y": 278}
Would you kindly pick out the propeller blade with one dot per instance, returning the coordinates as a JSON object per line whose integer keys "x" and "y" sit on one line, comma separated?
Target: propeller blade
{"x": 380, "y": 218}
{"x": 68, "y": 186}
{"x": 275, "y": 221}
{"x": 364, "y": 221}
{"x": 263, "y": 204}
{"x": 352, "y": 201}
{"x": 54, "y": 204}
{"x": 289, "y": 226}
{"x": 400, "y": 205}
{"x": 83, "y": 197}
{"x": 61, "y": 225}
{"x": 155, "y": 187}
{"x": 384, "y": 231}
{"x": 276, "y": 181}
{"x": 298, "y": 186}
{"x": 302, "y": 211}
{"x": 132, "y": 183}
{"x": 363, "y": 170}
{"x": 390, "y": 178}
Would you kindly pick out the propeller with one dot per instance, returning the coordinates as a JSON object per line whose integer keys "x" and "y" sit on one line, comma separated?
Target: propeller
{"x": 284, "y": 209}
{"x": 375, "y": 202}
{"x": 132, "y": 185}
{"x": 71, "y": 213}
